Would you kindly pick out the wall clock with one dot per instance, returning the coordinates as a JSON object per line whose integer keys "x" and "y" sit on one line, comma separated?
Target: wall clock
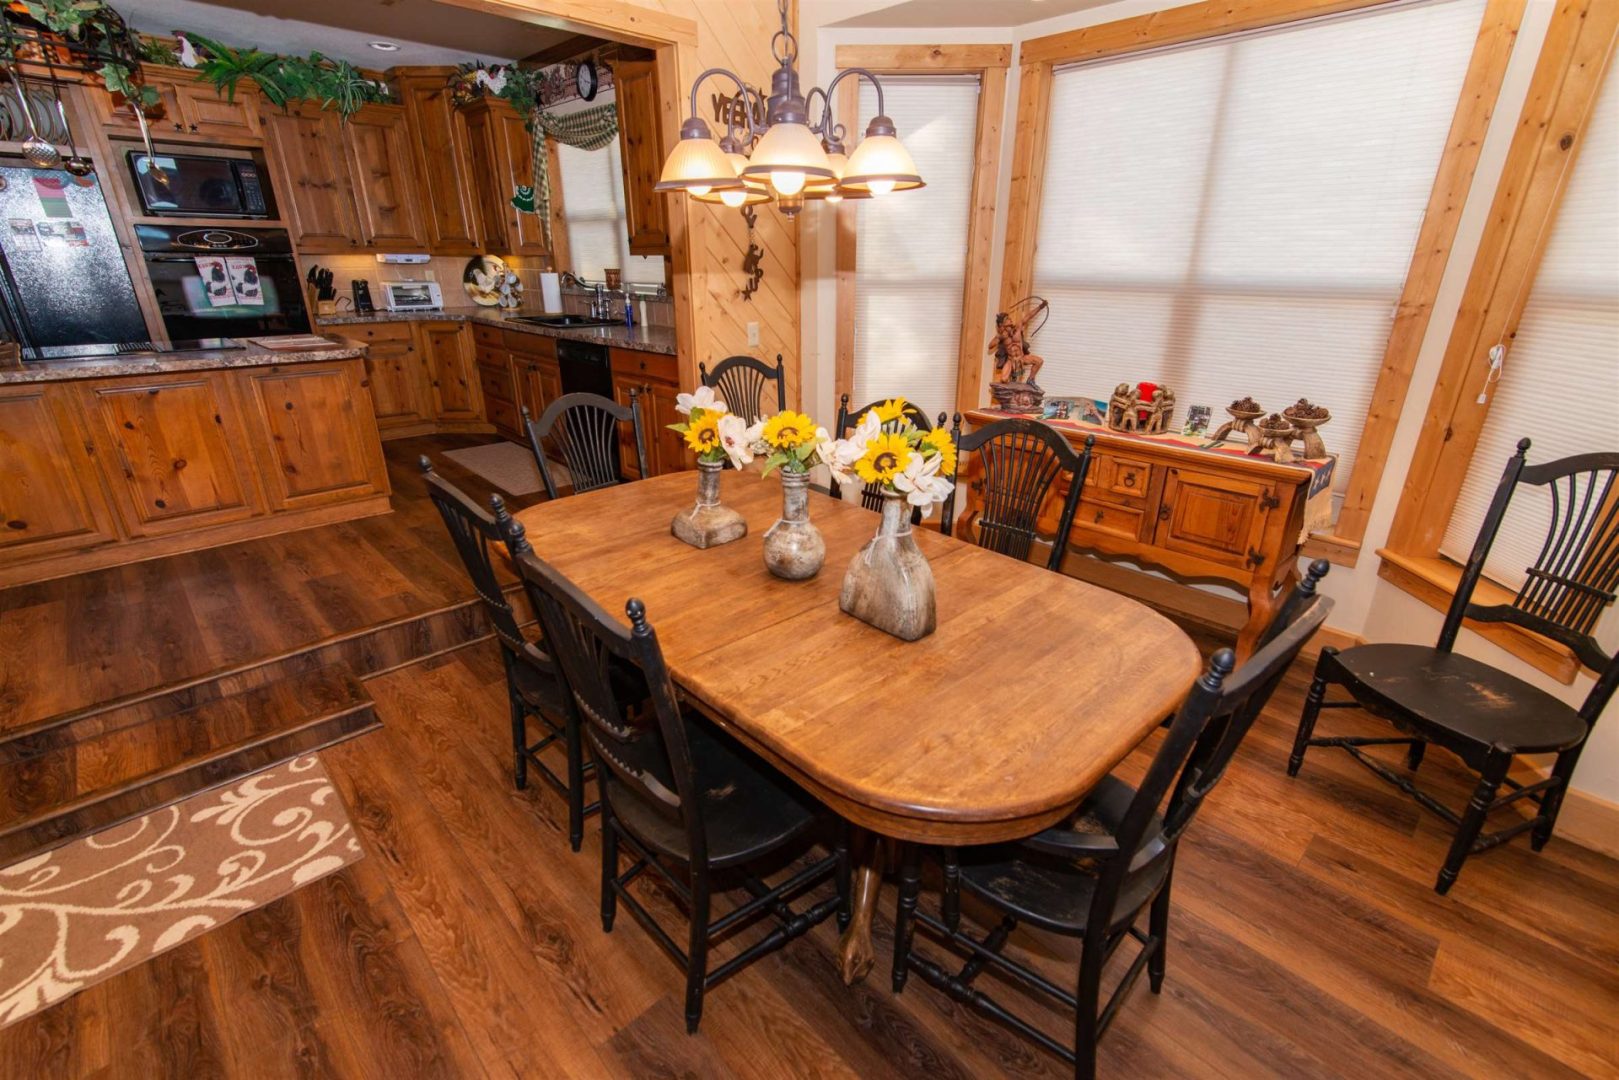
{"x": 587, "y": 79}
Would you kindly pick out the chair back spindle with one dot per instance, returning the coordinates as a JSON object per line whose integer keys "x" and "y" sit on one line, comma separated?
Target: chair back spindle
{"x": 1017, "y": 461}
{"x": 1575, "y": 577}
{"x": 743, "y": 383}
{"x": 584, "y": 429}
{"x": 643, "y": 745}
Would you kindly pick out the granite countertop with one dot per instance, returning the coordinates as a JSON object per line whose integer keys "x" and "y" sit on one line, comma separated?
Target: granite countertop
{"x": 161, "y": 363}
{"x": 653, "y": 339}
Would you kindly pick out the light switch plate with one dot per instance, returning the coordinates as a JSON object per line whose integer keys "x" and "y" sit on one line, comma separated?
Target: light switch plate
{"x": 753, "y": 333}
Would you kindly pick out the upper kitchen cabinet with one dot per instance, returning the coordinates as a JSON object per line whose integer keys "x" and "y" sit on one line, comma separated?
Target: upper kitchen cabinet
{"x": 641, "y": 146}
{"x": 442, "y": 161}
{"x": 191, "y": 109}
{"x": 307, "y": 152}
{"x": 388, "y": 208}
{"x": 502, "y": 160}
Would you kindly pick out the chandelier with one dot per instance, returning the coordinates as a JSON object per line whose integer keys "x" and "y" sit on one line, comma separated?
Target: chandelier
{"x": 787, "y": 159}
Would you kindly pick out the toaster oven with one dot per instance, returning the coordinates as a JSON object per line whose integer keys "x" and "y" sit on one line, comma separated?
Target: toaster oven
{"x": 412, "y": 296}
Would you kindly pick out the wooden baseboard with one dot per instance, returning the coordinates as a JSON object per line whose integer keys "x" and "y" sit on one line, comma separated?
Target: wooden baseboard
{"x": 1590, "y": 821}
{"x": 140, "y": 549}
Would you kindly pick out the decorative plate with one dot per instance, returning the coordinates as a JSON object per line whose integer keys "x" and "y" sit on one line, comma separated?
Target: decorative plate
{"x": 481, "y": 279}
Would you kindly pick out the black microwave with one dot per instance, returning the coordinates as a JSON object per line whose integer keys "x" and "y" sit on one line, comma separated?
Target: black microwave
{"x": 196, "y": 185}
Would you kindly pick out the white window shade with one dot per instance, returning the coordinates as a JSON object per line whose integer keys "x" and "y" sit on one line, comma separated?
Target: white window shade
{"x": 1236, "y": 217}
{"x": 593, "y": 214}
{"x": 911, "y": 247}
{"x": 1559, "y": 387}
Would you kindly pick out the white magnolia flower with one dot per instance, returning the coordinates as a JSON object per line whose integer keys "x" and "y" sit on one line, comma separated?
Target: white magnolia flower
{"x": 841, "y": 454}
{"x": 921, "y": 483}
{"x": 704, "y": 399}
{"x": 735, "y": 438}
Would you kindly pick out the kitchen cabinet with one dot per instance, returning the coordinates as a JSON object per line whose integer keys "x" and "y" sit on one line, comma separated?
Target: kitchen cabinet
{"x": 451, "y": 373}
{"x": 105, "y": 471}
{"x": 640, "y": 143}
{"x": 191, "y": 109}
{"x": 312, "y": 178}
{"x": 50, "y": 498}
{"x": 317, "y": 441}
{"x": 393, "y": 367}
{"x": 1214, "y": 515}
{"x": 657, "y": 376}
{"x": 535, "y": 370}
{"x": 173, "y": 450}
{"x": 441, "y": 151}
{"x": 502, "y": 160}
{"x": 493, "y": 363}
{"x": 382, "y": 179}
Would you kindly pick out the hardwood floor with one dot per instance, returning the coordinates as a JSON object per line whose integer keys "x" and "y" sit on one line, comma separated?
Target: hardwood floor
{"x": 1306, "y": 941}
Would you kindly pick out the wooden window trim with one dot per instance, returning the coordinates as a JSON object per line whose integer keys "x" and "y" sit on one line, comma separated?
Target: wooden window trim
{"x": 1578, "y": 50}
{"x": 989, "y": 64}
{"x": 1452, "y": 180}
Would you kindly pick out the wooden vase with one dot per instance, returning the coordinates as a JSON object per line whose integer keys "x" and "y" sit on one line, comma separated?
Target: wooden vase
{"x": 708, "y": 524}
{"x": 793, "y": 546}
{"x": 890, "y": 584}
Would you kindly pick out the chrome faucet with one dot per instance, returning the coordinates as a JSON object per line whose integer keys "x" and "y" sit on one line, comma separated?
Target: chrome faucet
{"x": 599, "y": 304}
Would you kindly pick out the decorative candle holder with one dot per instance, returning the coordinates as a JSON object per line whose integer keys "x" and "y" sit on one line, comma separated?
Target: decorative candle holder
{"x": 708, "y": 524}
{"x": 794, "y": 548}
{"x": 1306, "y": 418}
{"x": 1243, "y": 414}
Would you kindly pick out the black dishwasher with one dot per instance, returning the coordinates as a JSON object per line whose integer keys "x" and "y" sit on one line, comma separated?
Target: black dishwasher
{"x": 585, "y": 368}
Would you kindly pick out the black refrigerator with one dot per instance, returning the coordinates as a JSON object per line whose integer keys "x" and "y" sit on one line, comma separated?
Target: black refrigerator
{"x": 63, "y": 281}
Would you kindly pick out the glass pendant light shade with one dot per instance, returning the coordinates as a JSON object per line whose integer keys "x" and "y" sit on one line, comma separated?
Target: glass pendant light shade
{"x": 750, "y": 192}
{"x": 789, "y": 156}
{"x": 697, "y": 165}
{"x": 880, "y": 164}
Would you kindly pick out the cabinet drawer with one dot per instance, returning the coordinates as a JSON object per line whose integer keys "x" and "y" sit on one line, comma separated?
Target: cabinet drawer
{"x": 1109, "y": 519}
{"x": 531, "y": 345}
{"x": 503, "y": 414}
{"x": 494, "y": 357}
{"x": 487, "y": 335}
{"x": 379, "y": 332}
{"x": 1123, "y": 476}
{"x": 644, "y": 365}
{"x": 496, "y": 385}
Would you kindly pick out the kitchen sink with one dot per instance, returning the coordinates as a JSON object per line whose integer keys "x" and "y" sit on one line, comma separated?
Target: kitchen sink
{"x": 559, "y": 322}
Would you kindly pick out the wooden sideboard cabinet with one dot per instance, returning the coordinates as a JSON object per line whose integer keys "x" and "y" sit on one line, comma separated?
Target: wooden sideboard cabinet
{"x": 1194, "y": 514}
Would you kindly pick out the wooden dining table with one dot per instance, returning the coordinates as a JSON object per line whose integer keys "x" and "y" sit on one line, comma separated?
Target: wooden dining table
{"x": 1034, "y": 686}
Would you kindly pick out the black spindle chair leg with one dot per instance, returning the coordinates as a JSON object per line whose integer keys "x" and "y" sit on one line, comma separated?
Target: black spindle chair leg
{"x": 609, "y": 832}
{"x": 1413, "y": 756}
{"x": 910, "y": 887}
{"x": 576, "y": 785}
{"x": 1472, "y": 823}
{"x": 1087, "y": 1021}
{"x": 1552, "y": 802}
{"x": 697, "y": 953}
{"x": 519, "y": 739}
{"x": 1312, "y": 710}
{"x": 845, "y": 877}
{"x": 950, "y": 901}
{"x": 1158, "y": 926}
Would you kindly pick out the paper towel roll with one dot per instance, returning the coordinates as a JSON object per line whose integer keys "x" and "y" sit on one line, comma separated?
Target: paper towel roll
{"x": 551, "y": 292}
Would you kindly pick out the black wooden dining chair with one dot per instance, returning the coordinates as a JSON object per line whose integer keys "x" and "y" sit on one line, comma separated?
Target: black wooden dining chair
{"x": 871, "y": 495}
{"x": 1018, "y": 461}
{"x": 1094, "y": 877}
{"x": 1432, "y": 695}
{"x": 534, "y": 685}
{"x": 584, "y": 431}
{"x": 742, "y": 382}
{"x": 677, "y": 794}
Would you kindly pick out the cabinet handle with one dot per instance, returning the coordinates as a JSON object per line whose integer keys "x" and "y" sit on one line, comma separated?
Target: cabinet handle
{"x": 1163, "y": 511}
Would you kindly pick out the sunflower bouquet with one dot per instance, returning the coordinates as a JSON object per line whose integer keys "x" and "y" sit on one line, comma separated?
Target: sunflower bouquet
{"x": 887, "y": 450}
{"x": 704, "y": 411}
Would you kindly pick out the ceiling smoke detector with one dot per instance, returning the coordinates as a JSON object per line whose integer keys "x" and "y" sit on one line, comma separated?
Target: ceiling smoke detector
{"x": 384, "y": 46}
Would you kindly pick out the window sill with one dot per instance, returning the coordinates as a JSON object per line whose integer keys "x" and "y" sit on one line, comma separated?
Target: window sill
{"x": 1433, "y": 581}
{"x": 1337, "y": 550}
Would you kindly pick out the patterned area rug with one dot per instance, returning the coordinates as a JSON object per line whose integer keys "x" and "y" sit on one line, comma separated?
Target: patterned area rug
{"x": 88, "y": 910}
{"x": 508, "y": 466}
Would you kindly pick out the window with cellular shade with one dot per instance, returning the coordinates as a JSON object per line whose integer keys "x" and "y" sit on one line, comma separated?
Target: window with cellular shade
{"x": 910, "y": 247}
{"x": 1559, "y": 384}
{"x": 1236, "y": 217}
{"x": 593, "y": 213}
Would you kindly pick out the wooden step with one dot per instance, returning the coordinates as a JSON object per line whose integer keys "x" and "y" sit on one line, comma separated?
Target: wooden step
{"x": 51, "y": 794}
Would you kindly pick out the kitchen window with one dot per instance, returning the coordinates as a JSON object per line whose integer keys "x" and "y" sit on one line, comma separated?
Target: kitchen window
{"x": 1237, "y": 216}
{"x": 593, "y": 215}
{"x": 909, "y": 264}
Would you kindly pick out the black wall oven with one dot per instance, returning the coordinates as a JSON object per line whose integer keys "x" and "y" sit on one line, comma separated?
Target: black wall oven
{"x": 269, "y": 295}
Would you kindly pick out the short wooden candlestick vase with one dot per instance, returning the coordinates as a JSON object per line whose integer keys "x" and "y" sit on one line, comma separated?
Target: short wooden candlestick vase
{"x": 889, "y": 584}
{"x": 794, "y": 548}
{"x": 708, "y": 524}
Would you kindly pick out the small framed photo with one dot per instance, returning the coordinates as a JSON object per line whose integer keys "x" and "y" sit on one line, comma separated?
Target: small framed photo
{"x": 1093, "y": 411}
{"x": 1197, "y": 419}
{"x": 1058, "y": 408}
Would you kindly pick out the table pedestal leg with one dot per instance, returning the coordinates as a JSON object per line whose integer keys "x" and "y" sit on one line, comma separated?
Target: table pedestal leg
{"x": 856, "y": 954}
